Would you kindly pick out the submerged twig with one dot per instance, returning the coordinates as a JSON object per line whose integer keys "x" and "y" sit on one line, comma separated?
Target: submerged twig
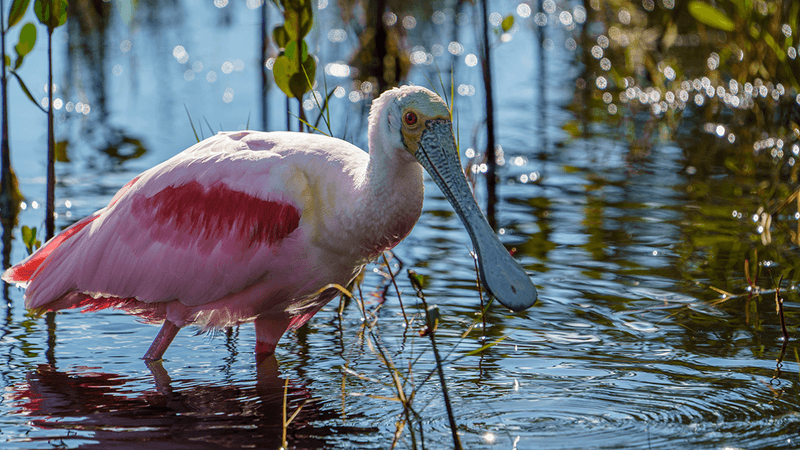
{"x": 797, "y": 358}
{"x": 284, "y": 443}
{"x": 752, "y": 285}
{"x": 394, "y": 282}
{"x": 491, "y": 160}
{"x": 779, "y": 361}
{"x": 431, "y": 326}
{"x": 779, "y": 310}
{"x": 377, "y": 349}
{"x": 480, "y": 290}
{"x": 784, "y": 332}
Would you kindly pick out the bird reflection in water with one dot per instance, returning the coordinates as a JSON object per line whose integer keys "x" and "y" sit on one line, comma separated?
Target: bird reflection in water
{"x": 106, "y": 410}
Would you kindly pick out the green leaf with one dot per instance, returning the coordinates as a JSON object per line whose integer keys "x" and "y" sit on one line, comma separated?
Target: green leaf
{"x": 306, "y": 19}
{"x": 282, "y": 70}
{"x": 27, "y": 234}
{"x": 61, "y": 13}
{"x": 670, "y": 35}
{"x": 299, "y": 84}
{"x": 291, "y": 52}
{"x": 42, "y": 10}
{"x": 8, "y": 60}
{"x": 477, "y": 351}
{"x": 289, "y": 77}
{"x": 61, "y": 151}
{"x": 573, "y": 128}
{"x": 27, "y": 92}
{"x": 745, "y": 9}
{"x": 18, "y": 9}
{"x": 779, "y": 52}
{"x": 27, "y": 40}
{"x": 417, "y": 281}
{"x": 755, "y": 30}
{"x": 280, "y": 36}
{"x": 52, "y": 13}
{"x": 29, "y": 239}
{"x": 707, "y": 14}
{"x": 508, "y": 22}
{"x": 298, "y": 22}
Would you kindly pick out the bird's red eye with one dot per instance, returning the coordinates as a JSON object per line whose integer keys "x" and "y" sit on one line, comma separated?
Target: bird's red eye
{"x": 410, "y": 118}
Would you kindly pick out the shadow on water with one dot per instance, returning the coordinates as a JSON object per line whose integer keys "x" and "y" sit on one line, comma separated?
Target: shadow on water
{"x": 83, "y": 408}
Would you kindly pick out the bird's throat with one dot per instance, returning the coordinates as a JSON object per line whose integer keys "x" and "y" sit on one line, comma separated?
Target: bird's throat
{"x": 392, "y": 204}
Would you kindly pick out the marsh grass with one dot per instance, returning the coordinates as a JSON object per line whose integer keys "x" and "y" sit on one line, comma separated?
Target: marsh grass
{"x": 287, "y": 422}
{"x": 405, "y": 379}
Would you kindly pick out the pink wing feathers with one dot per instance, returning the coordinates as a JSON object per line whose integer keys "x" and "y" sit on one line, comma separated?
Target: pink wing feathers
{"x": 23, "y": 272}
{"x": 195, "y": 228}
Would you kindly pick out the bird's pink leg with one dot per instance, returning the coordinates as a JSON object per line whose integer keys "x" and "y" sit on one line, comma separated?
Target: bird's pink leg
{"x": 268, "y": 333}
{"x": 162, "y": 341}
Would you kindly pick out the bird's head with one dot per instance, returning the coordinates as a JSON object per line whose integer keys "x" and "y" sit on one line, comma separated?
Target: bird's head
{"x": 400, "y": 117}
{"x": 417, "y": 123}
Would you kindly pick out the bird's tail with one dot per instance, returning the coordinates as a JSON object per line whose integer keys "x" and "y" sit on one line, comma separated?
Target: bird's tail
{"x": 23, "y": 272}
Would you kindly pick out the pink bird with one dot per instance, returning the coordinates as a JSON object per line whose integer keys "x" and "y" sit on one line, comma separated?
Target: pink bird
{"x": 250, "y": 227}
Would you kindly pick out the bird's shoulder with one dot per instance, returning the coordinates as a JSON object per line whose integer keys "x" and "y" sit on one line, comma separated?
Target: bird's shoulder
{"x": 266, "y": 165}
{"x": 283, "y": 143}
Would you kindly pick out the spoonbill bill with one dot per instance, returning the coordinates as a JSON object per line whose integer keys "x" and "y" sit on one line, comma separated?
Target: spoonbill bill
{"x": 252, "y": 226}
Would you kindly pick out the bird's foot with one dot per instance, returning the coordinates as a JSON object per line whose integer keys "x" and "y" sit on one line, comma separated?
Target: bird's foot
{"x": 264, "y": 350}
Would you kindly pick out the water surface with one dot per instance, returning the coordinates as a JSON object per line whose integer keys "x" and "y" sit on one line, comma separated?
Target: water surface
{"x": 625, "y": 229}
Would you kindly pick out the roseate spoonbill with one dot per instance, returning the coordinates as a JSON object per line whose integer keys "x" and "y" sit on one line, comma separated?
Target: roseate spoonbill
{"x": 251, "y": 226}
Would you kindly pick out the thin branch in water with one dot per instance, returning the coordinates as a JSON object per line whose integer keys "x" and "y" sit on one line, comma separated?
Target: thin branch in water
{"x": 779, "y": 361}
{"x": 286, "y": 422}
{"x": 797, "y": 358}
{"x": 480, "y": 291}
{"x": 429, "y": 320}
{"x": 283, "y": 419}
{"x": 779, "y": 310}
{"x": 391, "y": 274}
{"x": 50, "y": 209}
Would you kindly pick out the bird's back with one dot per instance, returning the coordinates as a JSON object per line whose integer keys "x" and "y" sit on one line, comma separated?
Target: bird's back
{"x": 204, "y": 224}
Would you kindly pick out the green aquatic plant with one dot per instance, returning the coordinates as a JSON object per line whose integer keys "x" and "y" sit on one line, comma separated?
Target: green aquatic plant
{"x": 294, "y": 69}
{"x": 31, "y": 239}
{"x": 10, "y": 195}
{"x": 52, "y": 14}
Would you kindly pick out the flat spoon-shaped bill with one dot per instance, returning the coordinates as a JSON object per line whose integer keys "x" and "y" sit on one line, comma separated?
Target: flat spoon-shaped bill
{"x": 500, "y": 274}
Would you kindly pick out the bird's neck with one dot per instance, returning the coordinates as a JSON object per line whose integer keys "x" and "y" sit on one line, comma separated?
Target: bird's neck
{"x": 391, "y": 202}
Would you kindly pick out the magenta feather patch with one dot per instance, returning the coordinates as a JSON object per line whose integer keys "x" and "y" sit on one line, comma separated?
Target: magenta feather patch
{"x": 209, "y": 213}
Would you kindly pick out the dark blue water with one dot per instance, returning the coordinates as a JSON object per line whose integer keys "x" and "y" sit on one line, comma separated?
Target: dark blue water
{"x": 622, "y": 229}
